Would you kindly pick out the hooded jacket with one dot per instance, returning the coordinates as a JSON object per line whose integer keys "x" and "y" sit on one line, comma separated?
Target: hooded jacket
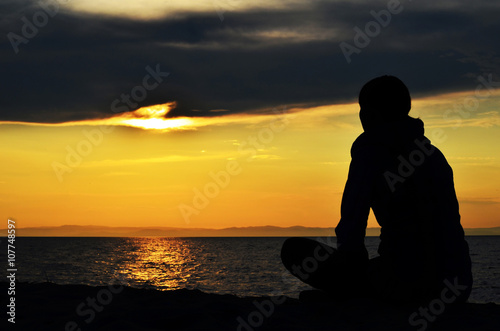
{"x": 408, "y": 184}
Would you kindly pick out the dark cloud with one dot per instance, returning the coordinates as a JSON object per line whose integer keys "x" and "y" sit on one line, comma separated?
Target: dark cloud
{"x": 77, "y": 65}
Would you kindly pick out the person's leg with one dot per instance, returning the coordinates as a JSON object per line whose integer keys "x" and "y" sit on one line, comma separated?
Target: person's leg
{"x": 391, "y": 285}
{"x": 323, "y": 267}
{"x": 310, "y": 261}
{"x": 381, "y": 282}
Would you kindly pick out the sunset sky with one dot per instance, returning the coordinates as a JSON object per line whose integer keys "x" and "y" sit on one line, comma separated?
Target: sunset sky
{"x": 229, "y": 113}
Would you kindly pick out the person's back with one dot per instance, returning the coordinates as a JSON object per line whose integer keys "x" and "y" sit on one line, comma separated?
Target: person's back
{"x": 413, "y": 199}
{"x": 408, "y": 184}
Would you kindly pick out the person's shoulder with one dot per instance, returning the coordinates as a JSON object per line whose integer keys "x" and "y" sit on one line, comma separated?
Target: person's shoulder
{"x": 365, "y": 145}
{"x": 431, "y": 152}
{"x": 358, "y": 144}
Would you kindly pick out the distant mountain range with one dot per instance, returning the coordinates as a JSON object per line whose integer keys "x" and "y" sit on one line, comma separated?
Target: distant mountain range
{"x": 252, "y": 231}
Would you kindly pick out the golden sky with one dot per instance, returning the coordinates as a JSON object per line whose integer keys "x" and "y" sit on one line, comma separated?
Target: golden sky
{"x": 236, "y": 170}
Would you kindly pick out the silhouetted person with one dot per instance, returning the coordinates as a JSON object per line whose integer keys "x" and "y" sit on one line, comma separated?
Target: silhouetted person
{"x": 408, "y": 184}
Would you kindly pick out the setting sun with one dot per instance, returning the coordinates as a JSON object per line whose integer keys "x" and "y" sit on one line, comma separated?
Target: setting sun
{"x": 152, "y": 117}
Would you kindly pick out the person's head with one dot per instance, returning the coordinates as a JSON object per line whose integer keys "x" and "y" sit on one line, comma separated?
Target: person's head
{"x": 383, "y": 99}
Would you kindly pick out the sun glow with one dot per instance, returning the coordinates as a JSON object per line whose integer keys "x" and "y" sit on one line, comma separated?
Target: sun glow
{"x": 148, "y": 118}
{"x": 295, "y": 162}
{"x": 153, "y": 117}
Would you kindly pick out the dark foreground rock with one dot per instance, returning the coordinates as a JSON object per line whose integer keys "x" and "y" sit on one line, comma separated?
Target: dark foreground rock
{"x": 53, "y": 307}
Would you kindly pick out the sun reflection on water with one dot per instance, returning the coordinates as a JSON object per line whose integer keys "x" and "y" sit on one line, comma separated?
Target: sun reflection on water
{"x": 162, "y": 263}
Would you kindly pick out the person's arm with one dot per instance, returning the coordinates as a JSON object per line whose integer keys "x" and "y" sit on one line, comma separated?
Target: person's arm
{"x": 355, "y": 207}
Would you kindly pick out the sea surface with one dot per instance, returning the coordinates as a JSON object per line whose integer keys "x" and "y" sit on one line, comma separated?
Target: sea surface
{"x": 239, "y": 266}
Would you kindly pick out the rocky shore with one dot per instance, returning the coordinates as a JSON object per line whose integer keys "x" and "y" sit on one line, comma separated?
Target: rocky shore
{"x": 49, "y": 306}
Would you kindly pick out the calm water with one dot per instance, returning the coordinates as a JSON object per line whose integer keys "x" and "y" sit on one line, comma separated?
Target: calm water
{"x": 241, "y": 266}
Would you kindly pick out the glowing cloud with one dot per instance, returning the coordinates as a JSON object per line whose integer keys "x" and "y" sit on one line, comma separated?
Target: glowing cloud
{"x": 152, "y": 117}
{"x": 149, "y": 118}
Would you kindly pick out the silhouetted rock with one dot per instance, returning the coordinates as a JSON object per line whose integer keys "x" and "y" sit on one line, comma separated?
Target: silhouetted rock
{"x": 52, "y": 307}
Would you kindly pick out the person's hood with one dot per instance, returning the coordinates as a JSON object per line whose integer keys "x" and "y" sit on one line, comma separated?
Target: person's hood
{"x": 392, "y": 136}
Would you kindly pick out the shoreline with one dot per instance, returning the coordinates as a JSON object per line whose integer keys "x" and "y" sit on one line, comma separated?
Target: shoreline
{"x": 48, "y": 306}
{"x": 177, "y": 232}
